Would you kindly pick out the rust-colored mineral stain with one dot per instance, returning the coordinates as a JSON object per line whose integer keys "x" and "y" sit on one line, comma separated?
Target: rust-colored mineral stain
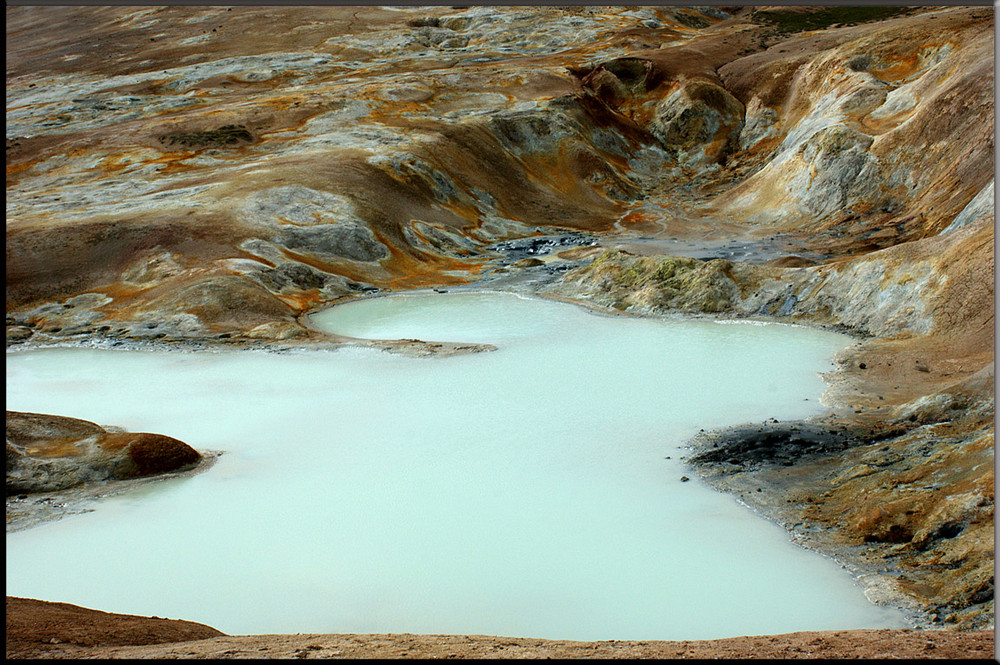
{"x": 18, "y": 168}
{"x": 637, "y": 217}
{"x": 393, "y": 114}
{"x": 173, "y": 162}
{"x": 417, "y": 269}
{"x": 301, "y": 301}
{"x": 345, "y": 268}
{"x": 429, "y": 270}
{"x": 121, "y": 293}
{"x": 901, "y": 67}
{"x": 116, "y": 441}
{"x": 54, "y": 448}
{"x": 157, "y": 453}
{"x": 113, "y": 164}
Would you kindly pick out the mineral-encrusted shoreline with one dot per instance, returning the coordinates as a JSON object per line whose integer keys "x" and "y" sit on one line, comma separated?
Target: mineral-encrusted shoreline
{"x": 28, "y": 510}
{"x": 895, "y": 482}
{"x": 774, "y": 496}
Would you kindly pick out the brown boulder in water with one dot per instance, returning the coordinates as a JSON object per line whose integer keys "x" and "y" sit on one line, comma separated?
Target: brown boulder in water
{"x": 48, "y": 453}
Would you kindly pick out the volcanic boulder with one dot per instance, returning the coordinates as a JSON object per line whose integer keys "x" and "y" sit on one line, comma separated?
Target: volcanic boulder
{"x": 699, "y": 122}
{"x": 50, "y": 453}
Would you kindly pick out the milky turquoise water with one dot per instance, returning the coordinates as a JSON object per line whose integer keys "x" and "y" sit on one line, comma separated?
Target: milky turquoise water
{"x": 522, "y": 492}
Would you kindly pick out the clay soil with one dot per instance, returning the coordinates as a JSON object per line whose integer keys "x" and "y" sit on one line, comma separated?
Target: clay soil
{"x": 37, "y": 629}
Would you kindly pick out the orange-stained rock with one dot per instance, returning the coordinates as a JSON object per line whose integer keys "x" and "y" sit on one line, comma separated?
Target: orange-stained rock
{"x": 152, "y": 453}
{"x": 48, "y": 453}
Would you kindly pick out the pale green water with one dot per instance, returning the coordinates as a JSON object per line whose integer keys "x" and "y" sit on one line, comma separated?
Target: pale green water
{"x": 520, "y": 492}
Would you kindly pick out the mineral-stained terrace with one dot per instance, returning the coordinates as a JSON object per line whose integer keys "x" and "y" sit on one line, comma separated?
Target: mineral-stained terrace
{"x": 208, "y": 175}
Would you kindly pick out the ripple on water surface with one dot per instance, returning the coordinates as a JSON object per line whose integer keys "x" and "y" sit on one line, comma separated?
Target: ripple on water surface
{"x": 519, "y": 492}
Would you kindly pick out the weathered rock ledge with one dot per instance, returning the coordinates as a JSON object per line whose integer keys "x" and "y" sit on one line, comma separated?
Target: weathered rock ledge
{"x": 55, "y": 463}
{"x": 47, "y": 453}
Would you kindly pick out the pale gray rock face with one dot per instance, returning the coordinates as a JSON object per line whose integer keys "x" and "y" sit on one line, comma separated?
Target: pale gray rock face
{"x": 25, "y": 474}
{"x": 149, "y": 271}
{"x": 873, "y": 296}
{"x": 536, "y": 130}
{"x": 73, "y": 316}
{"x": 979, "y": 208}
{"x": 313, "y": 222}
{"x": 299, "y": 276}
{"x": 865, "y": 97}
{"x": 155, "y": 325}
{"x": 413, "y": 169}
{"x": 297, "y": 205}
{"x": 834, "y": 158}
{"x": 700, "y": 121}
{"x": 287, "y": 276}
{"x": 344, "y": 112}
{"x": 263, "y": 249}
{"x": 331, "y": 242}
{"x": 758, "y": 125}
{"x": 441, "y": 240}
{"x": 17, "y": 333}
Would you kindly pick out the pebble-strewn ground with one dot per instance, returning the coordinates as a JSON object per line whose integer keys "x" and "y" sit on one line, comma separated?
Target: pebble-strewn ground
{"x": 210, "y": 175}
{"x": 59, "y": 630}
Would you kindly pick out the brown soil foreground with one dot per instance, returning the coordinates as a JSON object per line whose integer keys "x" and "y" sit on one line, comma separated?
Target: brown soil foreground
{"x": 38, "y": 629}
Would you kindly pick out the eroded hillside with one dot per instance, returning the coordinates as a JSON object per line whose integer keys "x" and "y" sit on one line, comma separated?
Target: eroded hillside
{"x": 211, "y": 174}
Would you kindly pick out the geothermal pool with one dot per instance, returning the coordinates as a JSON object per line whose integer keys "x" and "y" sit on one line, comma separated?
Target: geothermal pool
{"x": 521, "y": 492}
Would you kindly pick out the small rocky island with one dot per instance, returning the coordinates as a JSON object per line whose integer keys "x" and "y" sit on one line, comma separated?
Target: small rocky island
{"x": 173, "y": 183}
{"x": 47, "y": 455}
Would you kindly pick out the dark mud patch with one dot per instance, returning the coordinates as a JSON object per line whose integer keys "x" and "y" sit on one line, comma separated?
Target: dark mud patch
{"x": 535, "y": 246}
{"x": 792, "y": 20}
{"x": 227, "y": 135}
{"x": 774, "y": 443}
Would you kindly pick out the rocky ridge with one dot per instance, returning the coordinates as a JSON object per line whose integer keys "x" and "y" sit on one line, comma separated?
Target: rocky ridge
{"x": 826, "y": 166}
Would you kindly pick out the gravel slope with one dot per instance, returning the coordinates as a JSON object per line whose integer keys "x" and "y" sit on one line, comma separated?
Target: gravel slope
{"x": 36, "y": 629}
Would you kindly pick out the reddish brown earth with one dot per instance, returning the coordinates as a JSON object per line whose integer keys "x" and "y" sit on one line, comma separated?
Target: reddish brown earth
{"x": 37, "y": 629}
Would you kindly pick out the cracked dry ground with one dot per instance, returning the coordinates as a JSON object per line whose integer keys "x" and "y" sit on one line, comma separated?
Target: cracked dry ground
{"x": 208, "y": 176}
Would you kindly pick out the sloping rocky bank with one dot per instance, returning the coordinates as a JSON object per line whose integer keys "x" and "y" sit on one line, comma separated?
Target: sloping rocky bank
{"x": 171, "y": 182}
{"x": 37, "y": 629}
{"x": 903, "y": 469}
